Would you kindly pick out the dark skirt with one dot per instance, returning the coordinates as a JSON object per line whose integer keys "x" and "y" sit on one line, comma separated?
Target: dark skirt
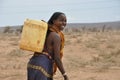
{"x": 40, "y": 68}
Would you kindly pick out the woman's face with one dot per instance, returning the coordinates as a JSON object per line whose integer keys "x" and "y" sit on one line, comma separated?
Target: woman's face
{"x": 60, "y": 22}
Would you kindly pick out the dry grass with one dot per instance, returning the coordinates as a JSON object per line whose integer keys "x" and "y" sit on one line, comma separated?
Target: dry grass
{"x": 87, "y": 56}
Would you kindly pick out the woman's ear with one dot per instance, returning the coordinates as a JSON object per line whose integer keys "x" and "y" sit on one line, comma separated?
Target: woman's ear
{"x": 54, "y": 21}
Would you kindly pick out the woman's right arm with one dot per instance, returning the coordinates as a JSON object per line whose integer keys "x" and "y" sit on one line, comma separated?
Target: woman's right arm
{"x": 56, "y": 49}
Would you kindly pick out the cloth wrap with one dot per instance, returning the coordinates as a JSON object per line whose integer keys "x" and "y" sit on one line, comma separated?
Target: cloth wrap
{"x": 40, "y": 67}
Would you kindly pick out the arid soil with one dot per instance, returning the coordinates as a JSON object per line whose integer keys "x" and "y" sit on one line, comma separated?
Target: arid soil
{"x": 87, "y": 56}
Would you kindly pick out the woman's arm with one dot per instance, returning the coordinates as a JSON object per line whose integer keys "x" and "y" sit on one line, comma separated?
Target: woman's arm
{"x": 56, "y": 49}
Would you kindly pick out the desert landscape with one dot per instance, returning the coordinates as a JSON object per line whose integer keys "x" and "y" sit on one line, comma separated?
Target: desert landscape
{"x": 90, "y": 54}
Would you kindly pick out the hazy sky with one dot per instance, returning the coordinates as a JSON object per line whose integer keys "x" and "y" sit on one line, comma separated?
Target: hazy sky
{"x": 14, "y": 12}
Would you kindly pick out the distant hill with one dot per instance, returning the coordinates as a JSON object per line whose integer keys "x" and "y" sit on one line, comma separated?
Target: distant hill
{"x": 11, "y": 28}
{"x": 110, "y": 25}
{"x": 115, "y": 25}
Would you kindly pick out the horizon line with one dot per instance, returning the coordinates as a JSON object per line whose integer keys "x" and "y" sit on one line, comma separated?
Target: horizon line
{"x": 69, "y": 23}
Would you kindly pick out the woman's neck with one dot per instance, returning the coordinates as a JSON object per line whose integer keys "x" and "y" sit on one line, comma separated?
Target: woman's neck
{"x": 55, "y": 27}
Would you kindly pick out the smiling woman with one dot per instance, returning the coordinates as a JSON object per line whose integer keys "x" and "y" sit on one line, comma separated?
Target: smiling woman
{"x": 42, "y": 66}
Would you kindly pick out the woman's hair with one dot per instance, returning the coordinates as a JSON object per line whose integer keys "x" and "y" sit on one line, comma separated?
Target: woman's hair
{"x": 54, "y": 17}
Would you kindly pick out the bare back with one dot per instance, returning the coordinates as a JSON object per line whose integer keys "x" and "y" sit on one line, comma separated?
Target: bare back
{"x": 52, "y": 43}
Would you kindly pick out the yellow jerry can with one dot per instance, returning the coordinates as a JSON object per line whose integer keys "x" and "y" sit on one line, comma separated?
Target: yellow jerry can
{"x": 33, "y": 35}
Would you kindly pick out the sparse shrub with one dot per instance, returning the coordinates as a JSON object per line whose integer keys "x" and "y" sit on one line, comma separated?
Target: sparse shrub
{"x": 94, "y": 29}
{"x": 6, "y": 30}
{"x": 75, "y": 30}
{"x": 83, "y": 28}
{"x": 103, "y": 28}
{"x": 18, "y": 30}
{"x": 68, "y": 31}
{"x": 21, "y": 28}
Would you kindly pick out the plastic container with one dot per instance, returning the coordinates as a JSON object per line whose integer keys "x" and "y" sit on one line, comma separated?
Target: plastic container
{"x": 33, "y": 35}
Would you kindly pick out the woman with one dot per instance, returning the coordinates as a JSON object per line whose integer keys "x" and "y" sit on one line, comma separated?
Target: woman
{"x": 43, "y": 65}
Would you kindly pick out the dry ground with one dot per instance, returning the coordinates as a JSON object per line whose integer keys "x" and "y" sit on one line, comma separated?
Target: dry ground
{"x": 87, "y": 56}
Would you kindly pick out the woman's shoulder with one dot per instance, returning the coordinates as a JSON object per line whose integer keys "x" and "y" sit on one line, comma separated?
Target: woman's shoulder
{"x": 54, "y": 35}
